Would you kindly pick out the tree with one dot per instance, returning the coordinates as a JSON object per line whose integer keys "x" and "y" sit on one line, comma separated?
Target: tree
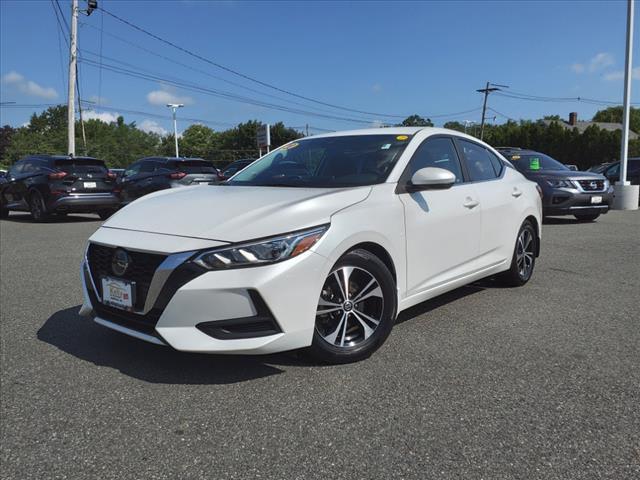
{"x": 416, "y": 121}
{"x": 197, "y": 141}
{"x": 614, "y": 115}
{"x": 6, "y": 133}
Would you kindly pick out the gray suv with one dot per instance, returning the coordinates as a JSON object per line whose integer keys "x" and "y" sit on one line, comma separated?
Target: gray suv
{"x": 585, "y": 195}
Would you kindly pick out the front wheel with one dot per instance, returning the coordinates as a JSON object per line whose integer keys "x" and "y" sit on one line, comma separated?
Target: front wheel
{"x": 523, "y": 260}
{"x": 587, "y": 218}
{"x": 356, "y": 309}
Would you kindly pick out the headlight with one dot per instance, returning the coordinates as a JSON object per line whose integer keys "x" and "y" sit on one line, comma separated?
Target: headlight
{"x": 262, "y": 252}
{"x": 560, "y": 183}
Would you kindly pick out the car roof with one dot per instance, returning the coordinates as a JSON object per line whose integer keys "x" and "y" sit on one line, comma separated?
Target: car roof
{"x": 518, "y": 151}
{"x": 178, "y": 159}
{"x": 393, "y": 131}
{"x": 61, "y": 157}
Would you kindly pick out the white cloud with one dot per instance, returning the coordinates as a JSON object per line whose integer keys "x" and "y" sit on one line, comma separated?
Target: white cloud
{"x": 578, "y": 67}
{"x": 600, "y": 61}
{"x": 150, "y": 126}
{"x": 619, "y": 75}
{"x": 166, "y": 95}
{"x": 376, "y": 88}
{"x": 28, "y": 87}
{"x": 107, "y": 117}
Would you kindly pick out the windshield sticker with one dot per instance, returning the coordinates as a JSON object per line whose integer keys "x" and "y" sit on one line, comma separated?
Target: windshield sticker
{"x": 534, "y": 163}
{"x": 402, "y": 137}
{"x": 515, "y": 157}
{"x": 386, "y": 146}
{"x": 290, "y": 146}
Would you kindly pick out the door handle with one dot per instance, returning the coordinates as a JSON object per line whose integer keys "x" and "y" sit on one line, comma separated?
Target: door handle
{"x": 470, "y": 203}
{"x": 516, "y": 193}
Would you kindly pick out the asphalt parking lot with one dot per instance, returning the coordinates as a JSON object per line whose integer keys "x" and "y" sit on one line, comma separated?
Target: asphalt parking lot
{"x": 537, "y": 382}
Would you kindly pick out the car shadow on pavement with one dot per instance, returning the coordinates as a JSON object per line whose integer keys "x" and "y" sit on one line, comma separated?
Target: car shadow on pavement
{"x": 26, "y": 218}
{"x": 86, "y": 340}
{"x": 562, "y": 221}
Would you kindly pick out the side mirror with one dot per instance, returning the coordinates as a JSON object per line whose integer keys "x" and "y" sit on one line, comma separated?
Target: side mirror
{"x": 431, "y": 178}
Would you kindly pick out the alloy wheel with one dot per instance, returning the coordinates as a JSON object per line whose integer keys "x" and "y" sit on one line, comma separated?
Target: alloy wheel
{"x": 525, "y": 254}
{"x": 350, "y": 307}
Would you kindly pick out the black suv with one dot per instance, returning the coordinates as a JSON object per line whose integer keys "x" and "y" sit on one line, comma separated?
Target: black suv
{"x": 50, "y": 184}
{"x": 585, "y": 195}
{"x": 151, "y": 174}
{"x": 612, "y": 171}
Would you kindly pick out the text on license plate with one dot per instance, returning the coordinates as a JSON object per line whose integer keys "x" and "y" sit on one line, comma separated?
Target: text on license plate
{"x": 89, "y": 184}
{"x": 117, "y": 293}
{"x": 596, "y": 199}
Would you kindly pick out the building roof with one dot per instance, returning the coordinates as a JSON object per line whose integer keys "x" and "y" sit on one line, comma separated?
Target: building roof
{"x": 582, "y": 126}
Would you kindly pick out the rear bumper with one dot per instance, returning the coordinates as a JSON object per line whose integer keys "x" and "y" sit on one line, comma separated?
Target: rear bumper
{"x": 567, "y": 202}
{"x": 85, "y": 202}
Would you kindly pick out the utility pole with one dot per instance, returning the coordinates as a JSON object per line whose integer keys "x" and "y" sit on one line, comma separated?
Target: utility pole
{"x": 174, "y": 108}
{"x": 71, "y": 97}
{"x": 626, "y": 195}
{"x": 491, "y": 87}
{"x": 307, "y": 129}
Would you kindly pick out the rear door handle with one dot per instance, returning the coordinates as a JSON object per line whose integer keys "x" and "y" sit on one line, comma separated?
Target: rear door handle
{"x": 516, "y": 193}
{"x": 470, "y": 203}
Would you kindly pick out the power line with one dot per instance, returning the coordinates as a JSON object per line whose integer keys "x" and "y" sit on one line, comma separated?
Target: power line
{"x": 242, "y": 75}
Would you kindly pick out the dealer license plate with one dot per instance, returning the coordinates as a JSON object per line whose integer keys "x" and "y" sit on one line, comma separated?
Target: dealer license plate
{"x": 117, "y": 293}
{"x": 90, "y": 185}
{"x": 596, "y": 199}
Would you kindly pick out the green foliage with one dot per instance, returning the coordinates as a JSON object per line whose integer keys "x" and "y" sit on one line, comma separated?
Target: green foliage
{"x": 614, "y": 115}
{"x": 416, "y": 121}
{"x": 120, "y": 143}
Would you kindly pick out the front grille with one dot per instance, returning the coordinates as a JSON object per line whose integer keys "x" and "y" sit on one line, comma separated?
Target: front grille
{"x": 140, "y": 270}
{"x": 592, "y": 185}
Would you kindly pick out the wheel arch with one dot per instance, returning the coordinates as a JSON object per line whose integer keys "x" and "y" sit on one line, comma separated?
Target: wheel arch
{"x": 380, "y": 252}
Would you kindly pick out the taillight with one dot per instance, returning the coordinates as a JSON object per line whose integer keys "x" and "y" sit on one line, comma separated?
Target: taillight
{"x": 177, "y": 175}
{"x": 111, "y": 176}
{"x": 220, "y": 176}
{"x": 57, "y": 175}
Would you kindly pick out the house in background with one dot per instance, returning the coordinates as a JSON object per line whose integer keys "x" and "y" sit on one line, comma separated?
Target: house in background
{"x": 582, "y": 125}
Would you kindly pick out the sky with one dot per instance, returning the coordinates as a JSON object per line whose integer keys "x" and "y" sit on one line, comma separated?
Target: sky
{"x": 377, "y": 61}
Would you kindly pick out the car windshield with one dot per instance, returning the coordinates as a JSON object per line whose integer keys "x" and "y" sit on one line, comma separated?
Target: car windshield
{"x": 78, "y": 165}
{"x": 341, "y": 161}
{"x": 534, "y": 162}
{"x": 192, "y": 166}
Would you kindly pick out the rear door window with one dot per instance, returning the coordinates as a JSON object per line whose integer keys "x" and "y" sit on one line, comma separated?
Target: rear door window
{"x": 479, "y": 161}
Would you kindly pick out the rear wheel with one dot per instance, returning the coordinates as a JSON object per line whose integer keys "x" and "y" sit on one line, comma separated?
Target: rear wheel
{"x": 587, "y": 218}
{"x": 37, "y": 207}
{"x": 356, "y": 309}
{"x": 523, "y": 260}
{"x": 104, "y": 214}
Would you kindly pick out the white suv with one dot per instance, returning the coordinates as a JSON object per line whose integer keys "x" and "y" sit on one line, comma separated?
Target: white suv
{"x": 318, "y": 244}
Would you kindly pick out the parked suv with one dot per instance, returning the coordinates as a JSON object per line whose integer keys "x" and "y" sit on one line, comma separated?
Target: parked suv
{"x": 612, "y": 172}
{"x": 585, "y": 195}
{"x": 49, "y": 184}
{"x": 151, "y": 174}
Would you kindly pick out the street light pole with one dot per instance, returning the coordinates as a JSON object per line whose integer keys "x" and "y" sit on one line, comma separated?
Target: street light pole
{"x": 71, "y": 98}
{"x": 174, "y": 108}
{"x": 626, "y": 195}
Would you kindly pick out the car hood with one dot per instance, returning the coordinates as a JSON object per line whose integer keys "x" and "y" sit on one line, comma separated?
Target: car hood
{"x": 229, "y": 213}
{"x": 563, "y": 174}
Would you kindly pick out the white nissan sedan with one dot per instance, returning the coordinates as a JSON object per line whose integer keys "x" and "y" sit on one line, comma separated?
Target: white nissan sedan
{"x": 317, "y": 245}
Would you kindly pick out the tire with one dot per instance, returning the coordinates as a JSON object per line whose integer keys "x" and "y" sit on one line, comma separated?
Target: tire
{"x": 350, "y": 329}
{"x": 104, "y": 214}
{"x": 4, "y": 212}
{"x": 37, "y": 207}
{"x": 523, "y": 260}
{"x": 587, "y": 218}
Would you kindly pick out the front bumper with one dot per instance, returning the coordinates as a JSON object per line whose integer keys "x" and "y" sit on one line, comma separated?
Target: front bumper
{"x": 85, "y": 202}
{"x": 246, "y": 311}
{"x": 564, "y": 201}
